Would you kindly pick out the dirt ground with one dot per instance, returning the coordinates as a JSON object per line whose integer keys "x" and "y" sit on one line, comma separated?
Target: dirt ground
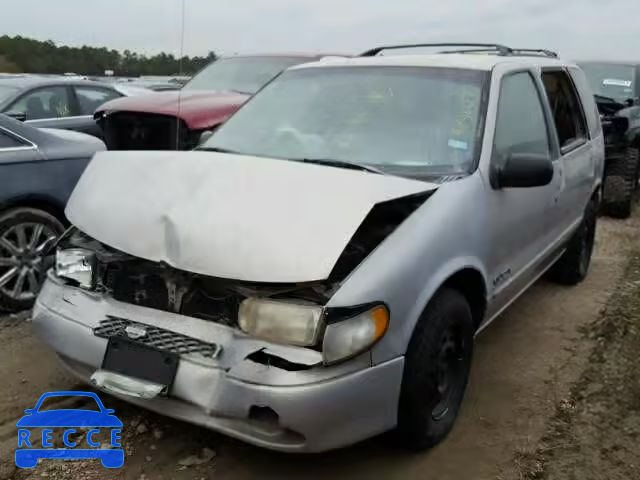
{"x": 554, "y": 394}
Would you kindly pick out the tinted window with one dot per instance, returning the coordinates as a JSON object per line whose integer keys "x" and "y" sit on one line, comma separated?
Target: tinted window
{"x": 89, "y": 99}
{"x": 48, "y": 102}
{"x": 241, "y": 74}
{"x": 520, "y": 123}
{"x": 8, "y": 141}
{"x": 404, "y": 120}
{"x": 586, "y": 94}
{"x": 565, "y": 105}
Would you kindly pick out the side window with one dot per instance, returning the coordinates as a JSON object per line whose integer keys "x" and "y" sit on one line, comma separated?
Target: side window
{"x": 47, "y": 102}
{"x": 520, "y": 123}
{"x": 586, "y": 94}
{"x": 90, "y": 98}
{"x": 565, "y": 106}
{"x": 9, "y": 141}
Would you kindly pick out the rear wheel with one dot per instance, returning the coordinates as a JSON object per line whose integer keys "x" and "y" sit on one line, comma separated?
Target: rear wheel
{"x": 573, "y": 266}
{"x": 621, "y": 180}
{"x": 436, "y": 371}
{"x": 25, "y": 236}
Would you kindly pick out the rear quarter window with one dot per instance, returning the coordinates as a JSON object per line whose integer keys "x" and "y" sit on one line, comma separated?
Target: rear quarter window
{"x": 587, "y": 99}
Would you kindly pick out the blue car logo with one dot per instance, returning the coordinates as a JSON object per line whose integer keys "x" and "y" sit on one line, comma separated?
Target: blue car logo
{"x": 28, "y": 453}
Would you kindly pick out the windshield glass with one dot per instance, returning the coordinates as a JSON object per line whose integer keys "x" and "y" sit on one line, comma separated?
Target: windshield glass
{"x": 242, "y": 74}
{"x": 402, "y": 120}
{"x": 609, "y": 80}
{"x": 6, "y": 91}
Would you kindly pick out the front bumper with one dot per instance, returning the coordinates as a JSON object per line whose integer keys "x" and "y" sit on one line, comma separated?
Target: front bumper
{"x": 317, "y": 409}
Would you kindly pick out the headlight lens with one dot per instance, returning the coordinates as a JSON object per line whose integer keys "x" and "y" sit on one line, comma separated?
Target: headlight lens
{"x": 76, "y": 264}
{"x": 348, "y": 338}
{"x": 281, "y": 322}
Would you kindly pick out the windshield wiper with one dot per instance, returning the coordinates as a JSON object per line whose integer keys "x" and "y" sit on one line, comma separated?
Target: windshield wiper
{"x": 340, "y": 164}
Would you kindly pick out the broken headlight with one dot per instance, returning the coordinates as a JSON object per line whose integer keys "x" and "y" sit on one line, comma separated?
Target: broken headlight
{"x": 281, "y": 322}
{"x": 347, "y": 338}
{"x": 77, "y": 265}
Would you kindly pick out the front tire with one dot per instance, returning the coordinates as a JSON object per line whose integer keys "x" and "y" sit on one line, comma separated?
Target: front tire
{"x": 621, "y": 180}
{"x": 25, "y": 236}
{"x": 573, "y": 266}
{"x": 436, "y": 371}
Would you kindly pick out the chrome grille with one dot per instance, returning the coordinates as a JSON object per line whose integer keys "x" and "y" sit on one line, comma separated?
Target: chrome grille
{"x": 155, "y": 337}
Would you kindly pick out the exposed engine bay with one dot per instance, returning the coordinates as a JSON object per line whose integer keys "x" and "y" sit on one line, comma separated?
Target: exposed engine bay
{"x": 155, "y": 285}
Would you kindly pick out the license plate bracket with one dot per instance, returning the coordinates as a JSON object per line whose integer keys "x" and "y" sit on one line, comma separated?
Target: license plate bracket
{"x": 140, "y": 361}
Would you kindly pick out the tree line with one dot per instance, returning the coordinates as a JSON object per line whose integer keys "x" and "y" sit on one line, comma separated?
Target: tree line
{"x": 26, "y": 55}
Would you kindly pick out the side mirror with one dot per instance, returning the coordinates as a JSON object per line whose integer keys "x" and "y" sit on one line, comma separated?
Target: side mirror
{"x": 524, "y": 170}
{"x": 29, "y": 411}
{"x": 20, "y": 116}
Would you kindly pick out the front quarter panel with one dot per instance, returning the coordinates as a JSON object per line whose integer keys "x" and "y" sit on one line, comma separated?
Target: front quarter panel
{"x": 442, "y": 237}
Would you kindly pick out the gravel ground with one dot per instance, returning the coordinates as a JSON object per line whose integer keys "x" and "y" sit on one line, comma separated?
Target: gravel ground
{"x": 538, "y": 404}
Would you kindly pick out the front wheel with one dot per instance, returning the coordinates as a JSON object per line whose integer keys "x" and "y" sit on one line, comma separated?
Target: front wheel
{"x": 436, "y": 371}
{"x": 25, "y": 236}
{"x": 620, "y": 182}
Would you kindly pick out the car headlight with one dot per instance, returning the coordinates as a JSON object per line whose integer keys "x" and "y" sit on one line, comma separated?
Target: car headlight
{"x": 350, "y": 337}
{"x": 77, "y": 265}
{"x": 281, "y": 322}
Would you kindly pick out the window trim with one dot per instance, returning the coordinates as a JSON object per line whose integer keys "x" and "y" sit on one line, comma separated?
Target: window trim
{"x": 541, "y": 99}
{"x": 68, "y": 88}
{"x": 578, "y": 142}
{"x": 29, "y": 145}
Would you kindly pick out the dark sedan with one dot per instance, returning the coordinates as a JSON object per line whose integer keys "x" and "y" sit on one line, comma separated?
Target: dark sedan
{"x": 55, "y": 102}
{"x": 38, "y": 170}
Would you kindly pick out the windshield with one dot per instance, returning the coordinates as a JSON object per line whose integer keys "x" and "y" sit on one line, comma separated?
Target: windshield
{"x": 6, "y": 92}
{"x": 402, "y": 120}
{"x": 242, "y": 74}
{"x": 610, "y": 80}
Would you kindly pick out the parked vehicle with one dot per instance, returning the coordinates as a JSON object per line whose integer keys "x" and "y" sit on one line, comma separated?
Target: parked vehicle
{"x": 179, "y": 120}
{"x": 38, "y": 170}
{"x": 617, "y": 89}
{"x": 57, "y": 102}
{"x": 319, "y": 267}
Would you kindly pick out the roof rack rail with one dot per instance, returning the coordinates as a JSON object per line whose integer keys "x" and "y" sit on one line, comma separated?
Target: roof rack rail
{"x": 490, "y": 48}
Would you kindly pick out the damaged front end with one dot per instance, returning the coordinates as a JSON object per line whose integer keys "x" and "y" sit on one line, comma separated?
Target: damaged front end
{"x": 152, "y": 301}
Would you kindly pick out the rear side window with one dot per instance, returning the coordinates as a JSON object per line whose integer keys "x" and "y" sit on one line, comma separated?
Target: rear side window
{"x": 566, "y": 108}
{"x": 586, "y": 95}
{"x": 90, "y": 98}
{"x": 520, "y": 124}
{"x": 9, "y": 141}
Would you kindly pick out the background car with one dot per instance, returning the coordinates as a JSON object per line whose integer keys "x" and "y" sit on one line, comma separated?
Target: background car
{"x": 178, "y": 120}
{"x": 617, "y": 91}
{"x": 57, "y": 102}
{"x": 38, "y": 170}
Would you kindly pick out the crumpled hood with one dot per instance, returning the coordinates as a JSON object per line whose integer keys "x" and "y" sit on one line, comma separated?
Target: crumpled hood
{"x": 199, "y": 109}
{"x": 229, "y": 216}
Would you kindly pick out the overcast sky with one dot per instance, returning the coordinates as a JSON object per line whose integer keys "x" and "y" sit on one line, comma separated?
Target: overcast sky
{"x": 577, "y": 28}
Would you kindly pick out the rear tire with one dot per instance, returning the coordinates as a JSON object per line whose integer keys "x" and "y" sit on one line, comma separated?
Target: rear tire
{"x": 573, "y": 266}
{"x": 621, "y": 180}
{"x": 436, "y": 371}
{"x": 25, "y": 234}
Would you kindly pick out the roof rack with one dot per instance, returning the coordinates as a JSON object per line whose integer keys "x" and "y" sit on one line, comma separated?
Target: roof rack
{"x": 490, "y": 48}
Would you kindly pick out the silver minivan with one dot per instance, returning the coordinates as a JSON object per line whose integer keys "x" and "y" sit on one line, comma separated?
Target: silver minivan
{"x": 315, "y": 273}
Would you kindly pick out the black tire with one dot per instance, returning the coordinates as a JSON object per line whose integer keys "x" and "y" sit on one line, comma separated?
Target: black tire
{"x": 573, "y": 266}
{"x": 436, "y": 371}
{"x": 621, "y": 180}
{"x": 26, "y": 263}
